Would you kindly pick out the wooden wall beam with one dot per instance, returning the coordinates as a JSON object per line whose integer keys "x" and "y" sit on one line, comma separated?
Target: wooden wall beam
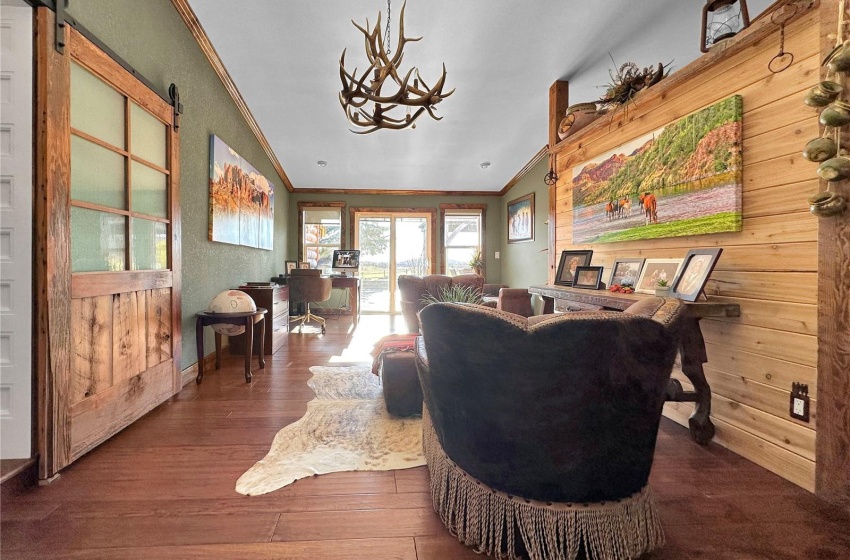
{"x": 558, "y": 103}
{"x": 832, "y": 466}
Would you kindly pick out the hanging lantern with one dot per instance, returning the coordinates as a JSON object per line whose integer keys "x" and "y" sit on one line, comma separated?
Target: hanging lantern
{"x": 722, "y": 19}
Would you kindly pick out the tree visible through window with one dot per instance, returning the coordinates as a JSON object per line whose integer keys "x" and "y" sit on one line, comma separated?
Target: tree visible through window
{"x": 462, "y": 237}
{"x": 321, "y": 235}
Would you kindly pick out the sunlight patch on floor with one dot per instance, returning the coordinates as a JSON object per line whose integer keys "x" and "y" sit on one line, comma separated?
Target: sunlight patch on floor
{"x": 369, "y": 330}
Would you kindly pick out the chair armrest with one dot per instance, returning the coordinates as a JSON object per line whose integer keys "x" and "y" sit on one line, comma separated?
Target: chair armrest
{"x": 662, "y": 310}
{"x": 515, "y": 300}
{"x": 493, "y": 289}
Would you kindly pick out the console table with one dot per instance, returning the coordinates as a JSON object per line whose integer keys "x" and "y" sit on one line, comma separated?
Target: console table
{"x": 691, "y": 346}
{"x": 248, "y": 319}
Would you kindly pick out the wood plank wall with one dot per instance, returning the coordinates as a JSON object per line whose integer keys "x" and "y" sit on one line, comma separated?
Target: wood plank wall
{"x": 769, "y": 268}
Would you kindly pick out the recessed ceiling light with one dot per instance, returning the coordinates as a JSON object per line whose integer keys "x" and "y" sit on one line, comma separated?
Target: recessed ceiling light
{"x": 322, "y": 163}
{"x": 485, "y": 164}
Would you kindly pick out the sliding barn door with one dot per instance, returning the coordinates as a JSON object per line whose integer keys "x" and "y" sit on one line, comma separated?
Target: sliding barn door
{"x": 108, "y": 228}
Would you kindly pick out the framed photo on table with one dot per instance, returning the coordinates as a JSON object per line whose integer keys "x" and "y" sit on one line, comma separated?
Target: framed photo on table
{"x": 588, "y": 277}
{"x": 570, "y": 260}
{"x": 521, "y": 219}
{"x": 655, "y": 270}
{"x": 625, "y": 272}
{"x": 695, "y": 272}
{"x": 303, "y": 264}
{"x": 289, "y": 265}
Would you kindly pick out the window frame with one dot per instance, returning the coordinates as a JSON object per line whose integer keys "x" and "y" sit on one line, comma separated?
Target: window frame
{"x": 304, "y": 206}
{"x": 462, "y": 209}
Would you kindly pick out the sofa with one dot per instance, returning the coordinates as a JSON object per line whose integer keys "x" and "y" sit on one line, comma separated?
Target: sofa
{"x": 414, "y": 288}
{"x": 539, "y": 432}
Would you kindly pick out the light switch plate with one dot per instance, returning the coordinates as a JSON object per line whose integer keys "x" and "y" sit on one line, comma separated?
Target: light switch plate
{"x": 497, "y": 254}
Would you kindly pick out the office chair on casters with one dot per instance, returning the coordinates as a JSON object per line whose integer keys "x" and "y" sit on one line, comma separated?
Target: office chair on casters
{"x": 307, "y": 285}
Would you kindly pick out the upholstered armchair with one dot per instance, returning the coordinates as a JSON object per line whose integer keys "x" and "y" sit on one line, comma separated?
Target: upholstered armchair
{"x": 414, "y": 288}
{"x": 539, "y": 432}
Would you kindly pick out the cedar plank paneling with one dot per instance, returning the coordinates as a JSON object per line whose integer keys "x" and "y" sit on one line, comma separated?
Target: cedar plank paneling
{"x": 765, "y": 267}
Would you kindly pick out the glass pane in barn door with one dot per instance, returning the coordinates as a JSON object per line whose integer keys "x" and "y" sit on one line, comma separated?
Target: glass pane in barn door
{"x": 96, "y": 108}
{"x": 149, "y": 191}
{"x": 98, "y": 241}
{"x": 97, "y": 174}
{"x": 147, "y": 136}
{"x": 150, "y": 245}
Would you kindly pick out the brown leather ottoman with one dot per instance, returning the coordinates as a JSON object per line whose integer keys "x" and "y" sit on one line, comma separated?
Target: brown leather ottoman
{"x": 400, "y": 382}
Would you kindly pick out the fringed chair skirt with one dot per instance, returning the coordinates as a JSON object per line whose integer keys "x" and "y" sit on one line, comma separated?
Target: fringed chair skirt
{"x": 494, "y": 523}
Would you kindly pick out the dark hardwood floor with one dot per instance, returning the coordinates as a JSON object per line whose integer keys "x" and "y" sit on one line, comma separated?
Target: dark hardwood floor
{"x": 164, "y": 487}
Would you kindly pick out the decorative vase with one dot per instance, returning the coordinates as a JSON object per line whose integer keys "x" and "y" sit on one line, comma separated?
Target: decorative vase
{"x": 820, "y": 150}
{"x": 825, "y": 204}
{"x": 823, "y": 94}
{"x": 837, "y": 114}
{"x": 835, "y": 169}
{"x": 578, "y": 116}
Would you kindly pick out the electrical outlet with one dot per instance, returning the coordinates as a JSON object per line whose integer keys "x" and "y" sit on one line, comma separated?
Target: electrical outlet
{"x": 497, "y": 254}
{"x": 800, "y": 401}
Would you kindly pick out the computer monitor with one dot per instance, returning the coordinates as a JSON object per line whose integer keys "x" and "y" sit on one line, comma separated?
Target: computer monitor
{"x": 346, "y": 260}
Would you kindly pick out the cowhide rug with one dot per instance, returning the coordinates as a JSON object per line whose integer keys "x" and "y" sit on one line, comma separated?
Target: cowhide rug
{"x": 346, "y": 428}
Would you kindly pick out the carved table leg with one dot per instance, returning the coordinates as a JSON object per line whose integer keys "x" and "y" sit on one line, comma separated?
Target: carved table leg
{"x": 199, "y": 341}
{"x": 249, "y": 341}
{"x": 692, "y": 351}
{"x": 262, "y": 357}
{"x": 217, "y": 350}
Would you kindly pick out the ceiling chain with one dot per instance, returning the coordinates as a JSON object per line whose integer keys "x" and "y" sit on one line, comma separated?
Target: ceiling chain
{"x": 387, "y": 40}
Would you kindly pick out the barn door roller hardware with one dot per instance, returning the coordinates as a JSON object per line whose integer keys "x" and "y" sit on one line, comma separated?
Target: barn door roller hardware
{"x": 60, "y": 25}
{"x": 177, "y": 107}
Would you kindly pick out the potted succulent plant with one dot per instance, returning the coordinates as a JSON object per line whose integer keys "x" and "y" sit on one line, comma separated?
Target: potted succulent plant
{"x": 662, "y": 288}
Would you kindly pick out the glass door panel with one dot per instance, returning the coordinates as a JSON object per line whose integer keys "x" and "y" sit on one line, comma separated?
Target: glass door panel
{"x": 373, "y": 240}
{"x": 96, "y": 108}
{"x": 411, "y": 251}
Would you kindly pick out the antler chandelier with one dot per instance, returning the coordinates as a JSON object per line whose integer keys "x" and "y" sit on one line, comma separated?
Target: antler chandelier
{"x": 384, "y": 71}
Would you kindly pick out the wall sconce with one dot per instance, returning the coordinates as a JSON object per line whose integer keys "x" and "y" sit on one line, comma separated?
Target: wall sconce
{"x": 722, "y": 19}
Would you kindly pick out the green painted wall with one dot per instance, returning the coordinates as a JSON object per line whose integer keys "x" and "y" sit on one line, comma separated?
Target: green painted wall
{"x": 151, "y": 36}
{"x": 493, "y": 226}
{"x": 526, "y": 264}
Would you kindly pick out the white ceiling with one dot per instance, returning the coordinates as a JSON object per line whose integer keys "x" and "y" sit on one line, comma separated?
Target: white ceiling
{"x": 501, "y": 55}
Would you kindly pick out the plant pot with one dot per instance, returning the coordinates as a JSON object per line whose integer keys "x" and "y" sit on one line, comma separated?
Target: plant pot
{"x": 662, "y": 292}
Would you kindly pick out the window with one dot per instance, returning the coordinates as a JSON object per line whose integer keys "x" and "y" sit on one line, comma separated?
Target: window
{"x": 321, "y": 232}
{"x": 463, "y": 236}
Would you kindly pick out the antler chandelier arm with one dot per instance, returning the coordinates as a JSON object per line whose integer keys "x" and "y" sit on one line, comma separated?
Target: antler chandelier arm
{"x": 355, "y": 94}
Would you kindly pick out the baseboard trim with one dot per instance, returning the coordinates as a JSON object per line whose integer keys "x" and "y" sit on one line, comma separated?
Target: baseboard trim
{"x": 190, "y": 373}
{"x": 18, "y": 478}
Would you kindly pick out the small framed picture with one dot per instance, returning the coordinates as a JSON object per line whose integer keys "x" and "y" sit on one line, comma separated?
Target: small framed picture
{"x": 303, "y": 264}
{"x": 289, "y": 266}
{"x": 695, "y": 272}
{"x": 521, "y": 219}
{"x": 655, "y": 270}
{"x": 588, "y": 277}
{"x": 570, "y": 260}
{"x": 625, "y": 272}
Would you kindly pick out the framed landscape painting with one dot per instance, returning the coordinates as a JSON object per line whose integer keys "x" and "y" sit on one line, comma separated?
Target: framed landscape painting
{"x": 681, "y": 179}
{"x": 241, "y": 200}
{"x": 521, "y": 219}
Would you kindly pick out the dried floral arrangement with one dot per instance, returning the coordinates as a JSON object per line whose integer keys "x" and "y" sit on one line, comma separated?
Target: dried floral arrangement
{"x": 629, "y": 80}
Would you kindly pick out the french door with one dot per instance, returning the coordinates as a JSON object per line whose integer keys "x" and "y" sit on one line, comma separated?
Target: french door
{"x": 107, "y": 247}
{"x": 391, "y": 243}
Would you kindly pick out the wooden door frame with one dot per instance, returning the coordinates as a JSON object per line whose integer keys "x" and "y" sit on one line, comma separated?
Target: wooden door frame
{"x": 432, "y": 224}
{"x": 54, "y": 286}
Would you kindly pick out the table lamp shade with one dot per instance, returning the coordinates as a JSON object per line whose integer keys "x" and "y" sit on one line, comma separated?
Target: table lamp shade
{"x": 231, "y": 301}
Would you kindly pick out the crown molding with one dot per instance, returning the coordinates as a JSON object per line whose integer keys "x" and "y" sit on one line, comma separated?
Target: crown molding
{"x": 393, "y": 192}
{"x": 522, "y": 172}
{"x": 191, "y": 21}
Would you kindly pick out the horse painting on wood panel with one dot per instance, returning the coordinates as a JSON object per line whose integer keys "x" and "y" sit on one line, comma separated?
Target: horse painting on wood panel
{"x": 682, "y": 179}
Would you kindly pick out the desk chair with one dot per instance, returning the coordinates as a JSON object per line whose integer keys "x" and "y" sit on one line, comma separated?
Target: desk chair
{"x": 307, "y": 285}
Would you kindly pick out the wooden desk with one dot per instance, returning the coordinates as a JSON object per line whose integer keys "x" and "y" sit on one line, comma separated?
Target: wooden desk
{"x": 352, "y": 285}
{"x": 691, "y": 345}
{"x": 248, "y": 319}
